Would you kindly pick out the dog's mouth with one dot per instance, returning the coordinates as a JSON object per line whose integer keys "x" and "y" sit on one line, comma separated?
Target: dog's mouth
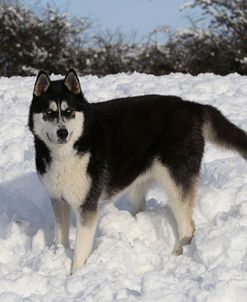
{"x": 62, "y": 141}
{"x": 59, "y": 141}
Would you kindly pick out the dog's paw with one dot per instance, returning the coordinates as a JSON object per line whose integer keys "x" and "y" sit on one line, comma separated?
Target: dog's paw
{"x": 178, "y": 250}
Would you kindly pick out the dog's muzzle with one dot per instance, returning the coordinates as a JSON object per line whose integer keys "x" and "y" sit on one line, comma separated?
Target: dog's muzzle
{"x": 62, "y": 135}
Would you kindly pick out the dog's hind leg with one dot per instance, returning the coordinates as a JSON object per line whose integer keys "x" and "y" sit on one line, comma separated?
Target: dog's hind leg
{"x": 62, "y": 212}
{"x": 182, "y": 207}
{"x": 137, "y": 197}
{"x": 181, "y": 202}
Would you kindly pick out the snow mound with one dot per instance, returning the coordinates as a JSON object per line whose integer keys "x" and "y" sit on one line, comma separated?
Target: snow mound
{"x": 132, "y": 259}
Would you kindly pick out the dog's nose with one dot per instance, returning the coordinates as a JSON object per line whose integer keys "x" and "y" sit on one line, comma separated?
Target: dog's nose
{"x": 62, "y": 133}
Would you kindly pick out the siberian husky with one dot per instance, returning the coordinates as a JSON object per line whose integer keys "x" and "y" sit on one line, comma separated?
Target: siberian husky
{"x": 86, "y": 152}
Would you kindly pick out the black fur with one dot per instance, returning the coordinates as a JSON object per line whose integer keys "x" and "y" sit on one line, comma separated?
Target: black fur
{"x": 42, "y": 155}
{"x": 121, "y": 139}
{"x": 224, "y": 132}
{"x": 125, "y": 135}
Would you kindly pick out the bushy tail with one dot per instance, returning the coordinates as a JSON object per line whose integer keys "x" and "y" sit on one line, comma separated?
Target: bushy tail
{"x": 219, "y": 130}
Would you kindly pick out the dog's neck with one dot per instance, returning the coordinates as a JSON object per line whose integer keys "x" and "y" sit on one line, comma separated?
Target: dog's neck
{"x": 62, "y": 152}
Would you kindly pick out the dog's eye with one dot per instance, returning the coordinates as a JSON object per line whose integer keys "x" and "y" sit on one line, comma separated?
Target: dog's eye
{"x": 69, "y": 110}
{"x": 48, "y": 112}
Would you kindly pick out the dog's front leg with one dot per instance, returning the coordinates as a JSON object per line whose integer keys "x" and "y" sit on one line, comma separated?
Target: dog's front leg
{"x": 61, "y": 211}
{"x": 85, "y": 230}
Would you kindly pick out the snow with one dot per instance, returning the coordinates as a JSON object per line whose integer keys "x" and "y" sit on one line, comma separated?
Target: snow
{"x": 131, "y": 259}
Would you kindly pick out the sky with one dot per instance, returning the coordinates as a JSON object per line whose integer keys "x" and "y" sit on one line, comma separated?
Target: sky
{"x": 140, "y": 16}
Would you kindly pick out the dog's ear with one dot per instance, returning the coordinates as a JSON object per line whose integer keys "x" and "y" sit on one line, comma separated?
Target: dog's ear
{"x": 72, "y": 82}
{"x": 42, "y": 84}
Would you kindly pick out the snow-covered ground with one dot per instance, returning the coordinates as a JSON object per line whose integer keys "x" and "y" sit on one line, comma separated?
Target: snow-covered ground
{"x": 131, "y": 260}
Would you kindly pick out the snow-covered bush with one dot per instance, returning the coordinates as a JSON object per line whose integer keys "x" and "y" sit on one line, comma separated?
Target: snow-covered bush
{"x": 54, "y": 42}
{"x": 228, "y": 30}
{"x": 220, "y": 48}
{"x": 28, "y": 42}
{"x": 196, "y": 51}
{"x": 113, "y": 52}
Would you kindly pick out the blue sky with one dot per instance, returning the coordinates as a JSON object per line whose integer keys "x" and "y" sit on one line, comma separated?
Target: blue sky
{"x": 140, "y": 16}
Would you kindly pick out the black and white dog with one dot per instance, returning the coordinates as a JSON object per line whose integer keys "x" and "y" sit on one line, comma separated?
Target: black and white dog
{"x": 85, "y": 152}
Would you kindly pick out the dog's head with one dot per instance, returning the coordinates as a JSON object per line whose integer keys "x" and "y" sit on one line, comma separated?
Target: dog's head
{"x": 56, "y": 112}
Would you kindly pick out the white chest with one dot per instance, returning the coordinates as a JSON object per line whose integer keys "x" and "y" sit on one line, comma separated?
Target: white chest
{"x": 67, "y": 178}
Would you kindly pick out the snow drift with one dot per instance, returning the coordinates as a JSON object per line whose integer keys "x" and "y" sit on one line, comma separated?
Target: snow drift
{"x": 131, "y": 260}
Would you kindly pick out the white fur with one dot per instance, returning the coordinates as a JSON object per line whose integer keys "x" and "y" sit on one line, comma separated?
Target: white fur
{"x": 67, "y": 178}
{"x": 84, "y": 240}
{"x": 61, "y": 211}
{"x": 137, "y": 193}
